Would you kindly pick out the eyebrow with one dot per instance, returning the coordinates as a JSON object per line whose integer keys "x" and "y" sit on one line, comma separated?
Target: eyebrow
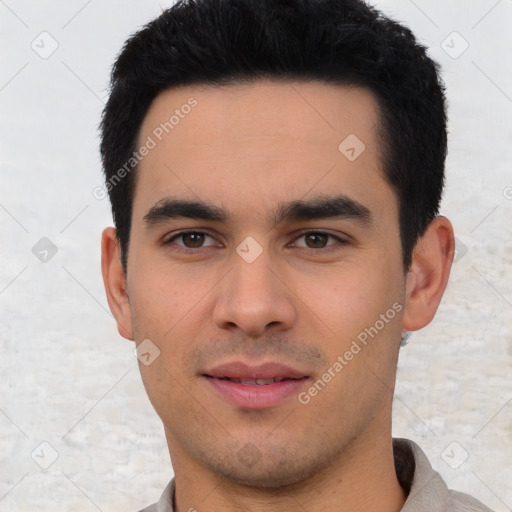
{"x": 181, "y": 208}
{"x": 299, "y": 210}
{"x": 323, "y": 208}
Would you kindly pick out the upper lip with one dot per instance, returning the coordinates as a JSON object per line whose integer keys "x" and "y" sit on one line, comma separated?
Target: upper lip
{"x": 241, "y": 370}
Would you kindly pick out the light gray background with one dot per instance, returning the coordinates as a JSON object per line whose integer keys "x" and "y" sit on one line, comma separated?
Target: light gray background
{"x": 71, "y": 382}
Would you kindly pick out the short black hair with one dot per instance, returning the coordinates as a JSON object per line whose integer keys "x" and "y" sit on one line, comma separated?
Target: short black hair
{"x": 346, "y": 42}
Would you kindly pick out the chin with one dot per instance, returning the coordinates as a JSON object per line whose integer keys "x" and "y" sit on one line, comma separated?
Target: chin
{"x": 277, "y": 479}
{"x": 264, "y": 473}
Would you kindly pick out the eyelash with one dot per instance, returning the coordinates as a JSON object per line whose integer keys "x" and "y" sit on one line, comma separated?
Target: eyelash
{"x": 325, "y": 250}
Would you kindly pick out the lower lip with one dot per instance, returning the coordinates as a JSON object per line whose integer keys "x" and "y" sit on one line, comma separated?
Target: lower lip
{"x": 249, "y": 396}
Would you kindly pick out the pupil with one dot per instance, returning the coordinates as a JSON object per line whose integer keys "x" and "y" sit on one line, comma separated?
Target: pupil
{"x": 316, "y": 240}
{"x": 193, "y": 240}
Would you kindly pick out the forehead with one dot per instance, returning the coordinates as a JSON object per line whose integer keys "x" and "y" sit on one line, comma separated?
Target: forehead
{"x": 264, "y": 141}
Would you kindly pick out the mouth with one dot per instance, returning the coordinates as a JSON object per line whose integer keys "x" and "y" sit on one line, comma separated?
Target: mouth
{"x": 255, "y": 387}
{"x": 254, "y": 382}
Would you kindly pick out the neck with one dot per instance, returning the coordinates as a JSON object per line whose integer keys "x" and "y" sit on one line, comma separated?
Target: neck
{"x": 363, "y": 477}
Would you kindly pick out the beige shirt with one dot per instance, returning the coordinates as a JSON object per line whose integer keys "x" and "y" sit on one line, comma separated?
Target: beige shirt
{"x": 425, "y": 488}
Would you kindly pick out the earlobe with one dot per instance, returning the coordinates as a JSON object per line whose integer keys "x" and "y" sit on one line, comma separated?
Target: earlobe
{"x": 114, "y": 280}
{"x": 428, "y": 274}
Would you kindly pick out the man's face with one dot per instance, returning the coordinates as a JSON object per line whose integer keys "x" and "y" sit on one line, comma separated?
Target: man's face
{"x": 292, "y": 252}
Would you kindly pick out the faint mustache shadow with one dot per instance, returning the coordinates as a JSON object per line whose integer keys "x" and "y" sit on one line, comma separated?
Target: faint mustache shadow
{"x": 280, "y": 348}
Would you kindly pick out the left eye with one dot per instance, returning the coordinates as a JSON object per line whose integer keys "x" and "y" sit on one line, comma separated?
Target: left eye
{"x": 315, "y": 240}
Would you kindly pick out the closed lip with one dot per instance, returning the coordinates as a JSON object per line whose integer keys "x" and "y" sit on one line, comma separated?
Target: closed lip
{"x": 255, "y": 387}
{"x": 245, "y": 371}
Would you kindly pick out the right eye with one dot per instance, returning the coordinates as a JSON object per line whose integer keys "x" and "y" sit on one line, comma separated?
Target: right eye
{"x": 191, "y": 240}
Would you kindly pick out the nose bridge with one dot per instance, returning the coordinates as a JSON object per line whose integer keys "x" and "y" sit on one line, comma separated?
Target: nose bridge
{"x": 252, "y": 297}
{"x": 252, "y": 277}
{"x": 252, "y": 280}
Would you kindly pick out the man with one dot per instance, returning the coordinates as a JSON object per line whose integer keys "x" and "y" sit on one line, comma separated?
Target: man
{"x": 275, "y": 170}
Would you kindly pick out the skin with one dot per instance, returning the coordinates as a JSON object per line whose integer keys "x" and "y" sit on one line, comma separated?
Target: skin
{"x": 247, "y": 148}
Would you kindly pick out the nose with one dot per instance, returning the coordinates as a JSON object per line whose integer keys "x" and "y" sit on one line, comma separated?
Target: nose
{"x": 254, "y": 298}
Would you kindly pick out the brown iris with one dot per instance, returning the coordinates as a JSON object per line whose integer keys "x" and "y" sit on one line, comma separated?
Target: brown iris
{"x": 193, "y": 240}
{"x": 316, "y": 240}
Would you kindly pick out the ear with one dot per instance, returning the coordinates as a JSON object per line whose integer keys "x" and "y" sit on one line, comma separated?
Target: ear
{"x": 114, "y": 280}
{"x": 428, "y": 274}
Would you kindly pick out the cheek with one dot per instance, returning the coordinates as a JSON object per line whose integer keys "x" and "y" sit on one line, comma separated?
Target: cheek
{"x": 358, "y": 310}
{"x": 159, "y": 295}
{"x": 352, "y": 296}
{"x": 170, "y": 308}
